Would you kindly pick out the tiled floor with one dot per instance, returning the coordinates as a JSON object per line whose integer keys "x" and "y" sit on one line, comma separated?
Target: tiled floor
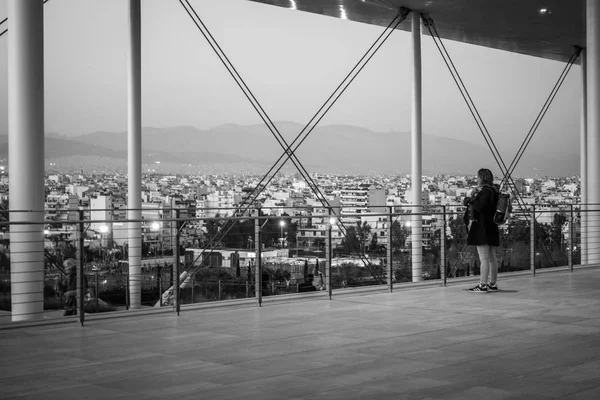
{"x": 539, "y": 338}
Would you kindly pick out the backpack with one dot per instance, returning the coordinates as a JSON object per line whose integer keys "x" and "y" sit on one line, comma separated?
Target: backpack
{"x": 503, "y": 208}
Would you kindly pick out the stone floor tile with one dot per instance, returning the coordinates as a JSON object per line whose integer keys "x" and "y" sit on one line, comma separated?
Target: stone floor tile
{"x": 537, "y": 339}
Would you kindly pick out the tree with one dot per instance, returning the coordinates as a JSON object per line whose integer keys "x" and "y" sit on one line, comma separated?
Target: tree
{"x": 399, "y": 235}
{"x": 436, "y": 243}
{"x": 350, "y": 243}
{"x": 292, "y": 230}
{"x": 373, "y": 245}
{"x": 556, "y": 229}
{"x": 212, "y": 228}
{"x": 362, "y": 232}
{"x": 516, "y": 232}
{"x": 458, "y": 231}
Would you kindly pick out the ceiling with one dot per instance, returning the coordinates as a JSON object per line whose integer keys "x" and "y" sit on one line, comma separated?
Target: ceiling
{"x": 518, "y": 26}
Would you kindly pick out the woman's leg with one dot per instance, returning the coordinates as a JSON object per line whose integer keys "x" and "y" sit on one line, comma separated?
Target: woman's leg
{"x": 484, "y": 258}
{"x": 493, "y": 266}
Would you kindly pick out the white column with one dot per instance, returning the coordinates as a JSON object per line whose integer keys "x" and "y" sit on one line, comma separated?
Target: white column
{"x": 26, "y": 156}
{"x": 134, "y": 152}
{"x": 583, "y": 181}
{"x": 593, "y": 130}
{"x": 416, "y": 152}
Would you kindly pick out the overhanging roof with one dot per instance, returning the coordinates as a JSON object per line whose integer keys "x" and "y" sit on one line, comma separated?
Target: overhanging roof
{"x": 513, "y": 25}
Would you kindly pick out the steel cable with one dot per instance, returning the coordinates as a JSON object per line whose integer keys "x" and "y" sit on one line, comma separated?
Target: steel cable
{"x": 479, "y": 121}
{"x": 267, "y": 120}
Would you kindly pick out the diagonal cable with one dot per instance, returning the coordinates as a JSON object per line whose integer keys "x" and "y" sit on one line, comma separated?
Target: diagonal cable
{"x": 245, "y": 87}
{"x": 472, "y": 108}
{"x": 489, "y": 141}
{"x": 544, "y": 109}
{"x": 258, "y": 107}
{"x": 309, "y": 181}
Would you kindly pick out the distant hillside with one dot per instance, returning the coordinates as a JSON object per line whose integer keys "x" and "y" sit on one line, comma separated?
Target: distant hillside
{"x": 335, "y": 149}
{"x": 79, "y": 154}
{"x": 59, "y": 148}
{"x": 328, "y": 149}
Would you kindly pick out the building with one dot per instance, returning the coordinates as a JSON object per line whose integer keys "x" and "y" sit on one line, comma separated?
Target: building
{"x": 361, "y": 199}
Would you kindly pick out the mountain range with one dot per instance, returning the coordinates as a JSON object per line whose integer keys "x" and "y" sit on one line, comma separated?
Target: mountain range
{"x": 252, "y": 148}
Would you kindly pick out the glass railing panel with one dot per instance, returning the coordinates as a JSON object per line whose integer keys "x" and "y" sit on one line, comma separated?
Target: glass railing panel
{"x": 460, "y": 258}
{"x": 432, "y": 223}
{"x": 553, "y": 237}
{"x": 576, "y": 232}
{"x": 359, "y": 251}
{"x": 107, "y": 292}
{"x": 514, "y": 252}
{"x": 218, "y": 254}
{"x": 219, "y": 259}
{"x": 199, "y": 290}
{"x": 60, "y": 255}
{"x": 293, "y": 259}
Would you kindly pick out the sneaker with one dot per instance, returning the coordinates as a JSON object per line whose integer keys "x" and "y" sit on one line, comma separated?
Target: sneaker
{"x": 492, "y": 288}
{"x": 479, "y": 289}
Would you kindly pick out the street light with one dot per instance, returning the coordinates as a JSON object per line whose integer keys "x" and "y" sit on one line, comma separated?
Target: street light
{"x": 103, "y": 229}
{"x": 281, "y": 224}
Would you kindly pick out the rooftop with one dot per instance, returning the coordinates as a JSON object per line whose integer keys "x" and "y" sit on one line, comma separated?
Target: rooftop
{"x": 538, "y": 338}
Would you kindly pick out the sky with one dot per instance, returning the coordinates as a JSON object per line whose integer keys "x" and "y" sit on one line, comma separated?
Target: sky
{"x": 292, "y": 61}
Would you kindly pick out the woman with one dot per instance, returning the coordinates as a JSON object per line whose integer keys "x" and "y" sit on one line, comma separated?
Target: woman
{"x": 483, "y": 231}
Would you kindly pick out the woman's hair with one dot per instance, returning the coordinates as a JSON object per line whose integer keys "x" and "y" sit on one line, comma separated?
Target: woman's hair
{"x": 486, "y": 176}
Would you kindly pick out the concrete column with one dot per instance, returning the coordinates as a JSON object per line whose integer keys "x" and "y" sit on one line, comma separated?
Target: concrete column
{"x": 134, "y": 152}
{"x": 416, "y": 152}
{"x": 583, "y": 152}
{"x": 26, "y": 156}
{"x": 593, "y": 130}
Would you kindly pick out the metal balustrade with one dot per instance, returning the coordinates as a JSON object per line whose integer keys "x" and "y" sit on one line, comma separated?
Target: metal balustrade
{"x": 275, "y": 255}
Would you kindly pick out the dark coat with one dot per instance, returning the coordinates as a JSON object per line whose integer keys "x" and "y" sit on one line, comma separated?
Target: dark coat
{"x": 483, "y": 229}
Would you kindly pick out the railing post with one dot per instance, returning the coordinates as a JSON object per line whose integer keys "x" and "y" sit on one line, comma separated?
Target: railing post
{"x": 247, "y": 289}
{"x": 193, "y": 284}
{"x": 127, "y": 291}
{"x": 220, "y": 290}
{"x": 532, "y": 240}
{"x": 443, "y": 246}
{"x": 177, "y": 264}
{"x": 96, "y": 291}
{"x": 571, "y": 241}
{"x": 390, "y": 259}
{"x": 328, "y": 250}
{"x": 258, "y": 267}
{"x": 159, "y": 279}
{"x": 80, "y": 272}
